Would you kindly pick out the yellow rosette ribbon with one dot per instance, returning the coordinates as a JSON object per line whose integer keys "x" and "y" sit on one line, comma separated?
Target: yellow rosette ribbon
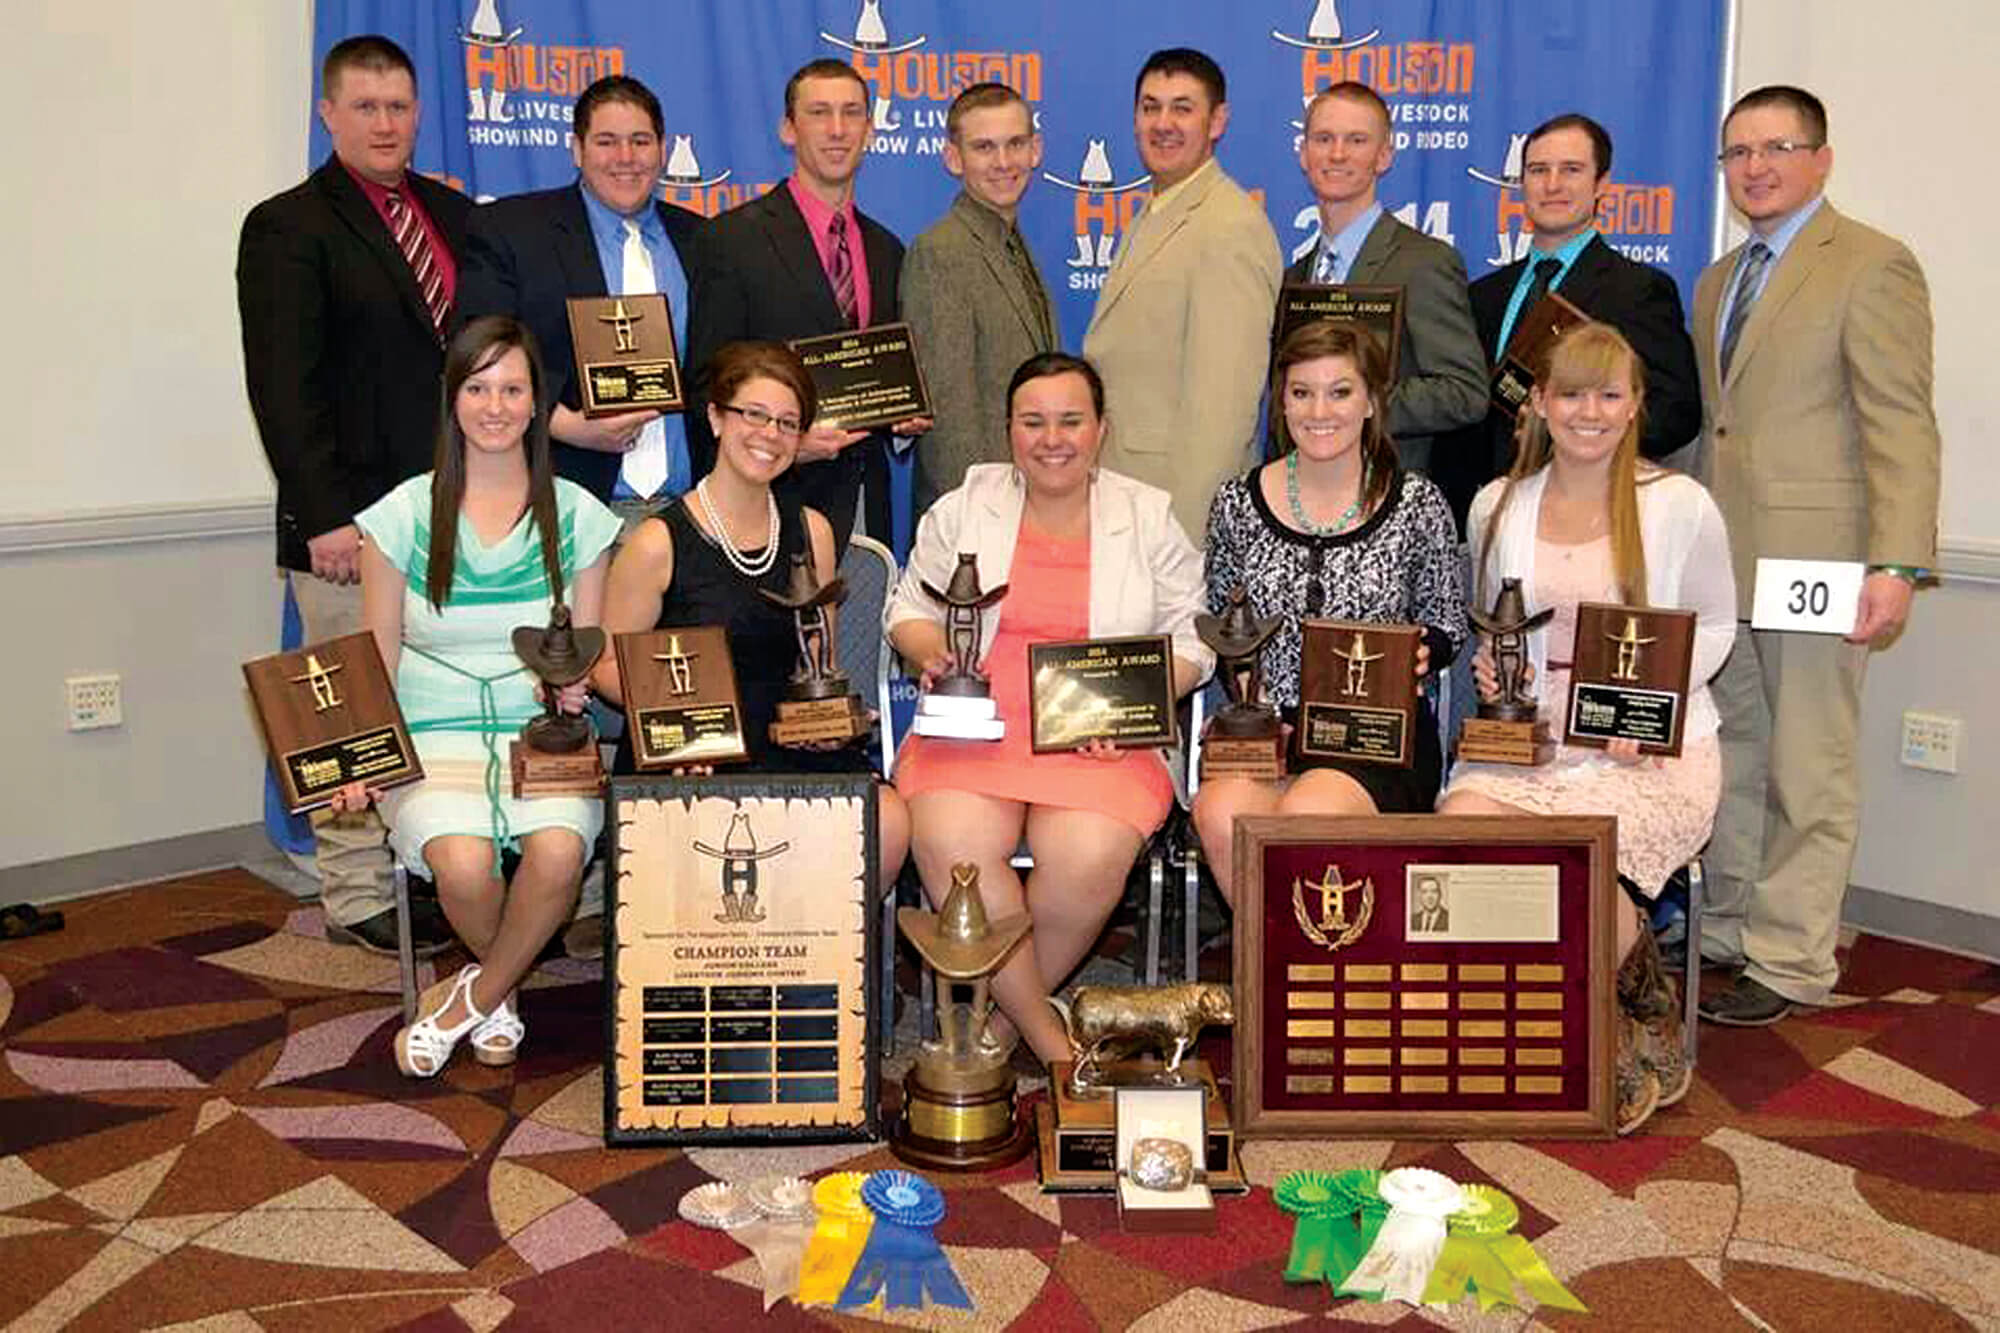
{"x": 1482, "y": 1251}
{"x": 837, "y": 1240}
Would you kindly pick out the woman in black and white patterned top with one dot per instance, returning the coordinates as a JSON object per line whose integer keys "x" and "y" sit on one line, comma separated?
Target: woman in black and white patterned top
{"x": 1336, "y": 530}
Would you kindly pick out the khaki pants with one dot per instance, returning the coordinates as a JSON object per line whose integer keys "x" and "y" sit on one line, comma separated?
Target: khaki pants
{"x": 351, "y": 850}
{"x": 1791, "y": 807}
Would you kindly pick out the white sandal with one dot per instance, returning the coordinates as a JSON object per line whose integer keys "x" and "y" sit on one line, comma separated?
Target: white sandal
{"x": 497, "y": 1039}
{"x": 424, "y": 1047}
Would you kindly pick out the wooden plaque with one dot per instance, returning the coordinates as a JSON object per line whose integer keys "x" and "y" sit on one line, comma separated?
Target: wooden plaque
{"x": 1358, "y": 692}
{"x": 1425, "y": 976}
{"x": 740, "y": 960}
{"x": 1629, "y": 676}
{"x": 1120, "y": 690}
{"x": 681, "y": 703}
{"x": 1077, "y": 1149}
{"x": 865, "y": 377}
{"x": 626, "y": 360}
{"x": 330, "y": 717}
{"x": 1377, "y": 309}
{"x": 1535, "y": 332}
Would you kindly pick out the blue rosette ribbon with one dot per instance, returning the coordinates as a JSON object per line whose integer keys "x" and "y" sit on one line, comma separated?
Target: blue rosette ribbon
{"x": 903, "y": 1263}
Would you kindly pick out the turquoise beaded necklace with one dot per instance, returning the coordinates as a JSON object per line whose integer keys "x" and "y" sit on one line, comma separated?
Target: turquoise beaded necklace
{"x": 1304, "y": 520}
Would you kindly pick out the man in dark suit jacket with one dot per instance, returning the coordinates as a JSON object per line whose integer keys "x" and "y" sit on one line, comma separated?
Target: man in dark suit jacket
{"x": 1565, "y": 165}
{"x": 765, "y": 270}
{"x": 342, "y": 312}
{"x": 1441, "y": 370}
{"x": 527, "y": 255}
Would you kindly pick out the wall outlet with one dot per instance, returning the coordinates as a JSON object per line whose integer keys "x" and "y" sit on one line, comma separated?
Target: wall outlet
{"x": 94, "y": 701}
{"x": 1930, "y": 740}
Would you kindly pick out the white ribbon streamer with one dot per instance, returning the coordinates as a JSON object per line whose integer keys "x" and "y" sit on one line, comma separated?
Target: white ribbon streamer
{"x": 1398, "y": 1265}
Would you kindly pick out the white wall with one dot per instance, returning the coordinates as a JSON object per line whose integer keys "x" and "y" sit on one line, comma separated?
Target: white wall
{"x": 140, "y": 133}
{"x": 1910, "y": 95}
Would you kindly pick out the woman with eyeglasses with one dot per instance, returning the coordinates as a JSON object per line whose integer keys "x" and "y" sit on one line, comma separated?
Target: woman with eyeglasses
{"x": 1085, "y": 553}
{"x": 703, "y": 558}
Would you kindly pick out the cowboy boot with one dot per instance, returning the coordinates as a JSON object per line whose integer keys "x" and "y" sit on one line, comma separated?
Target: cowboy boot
{"x": 1648, "y": 996}
{"x": 1638, "y": 1088}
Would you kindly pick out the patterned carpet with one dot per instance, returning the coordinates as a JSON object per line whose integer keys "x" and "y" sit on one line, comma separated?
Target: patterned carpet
{"x": 201, "y": 1126}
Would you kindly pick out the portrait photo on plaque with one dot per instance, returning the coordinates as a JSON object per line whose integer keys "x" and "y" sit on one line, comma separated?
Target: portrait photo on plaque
{"x": 1629, "y": 675}
{"x": 626, "y": 360}
{"x": 329, "y": 716}
{"x": 1375, "y": 308}
{"x": 740, "y": 942}
{"x": 1425, "y": 976}
{"x": 681, "y": 701}
{"x": 865, "y": 377}
{"x": 1119, "y": 690}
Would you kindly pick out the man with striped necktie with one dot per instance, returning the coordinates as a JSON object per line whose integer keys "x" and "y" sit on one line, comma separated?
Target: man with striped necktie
{"x": 345, "y": 285}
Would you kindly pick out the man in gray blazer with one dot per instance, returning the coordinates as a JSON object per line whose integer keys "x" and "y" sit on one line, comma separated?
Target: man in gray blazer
{"x": 976, "y": 304}
{"x": 1441, "y": 373}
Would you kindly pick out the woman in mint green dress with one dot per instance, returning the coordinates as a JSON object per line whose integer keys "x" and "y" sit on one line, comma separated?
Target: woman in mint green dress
{"x": 452, "y": 561}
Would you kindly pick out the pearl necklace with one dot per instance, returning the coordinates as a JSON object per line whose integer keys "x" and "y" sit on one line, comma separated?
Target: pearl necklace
{"x": 1304, "y": 520}
{"x": 748, "y": 568}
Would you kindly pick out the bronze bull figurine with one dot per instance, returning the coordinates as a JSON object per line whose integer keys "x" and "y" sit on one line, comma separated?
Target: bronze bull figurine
{"x": 1129, "y": 1019}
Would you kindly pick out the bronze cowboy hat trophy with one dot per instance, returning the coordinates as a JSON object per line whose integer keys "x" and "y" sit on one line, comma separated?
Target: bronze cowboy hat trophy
{"x": 958, "y": 1099}
{"x": 959, "y": 703}
{"x": 1508, "y": 730}
{"x": 819, "y": 704}
{"x": 1244, "y": 739}
{"x": 556, "y": 754}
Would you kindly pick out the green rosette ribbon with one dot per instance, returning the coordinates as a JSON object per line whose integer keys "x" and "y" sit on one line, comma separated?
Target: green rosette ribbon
{"x": 1482, "y": 1252}
{"x": 1338, "y": 1214}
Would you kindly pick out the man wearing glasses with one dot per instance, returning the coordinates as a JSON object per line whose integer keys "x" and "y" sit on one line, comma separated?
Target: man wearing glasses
{"x": 1814, "y": 338}
{"x": 526, "y": 256}
{"x": 1565, "y": 165}
{"x": 976, "y": 303}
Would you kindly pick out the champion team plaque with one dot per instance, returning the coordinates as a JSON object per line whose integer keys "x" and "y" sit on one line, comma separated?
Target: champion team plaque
{"x": 1425, "y": 976}
{"x": 329, "y": 717}
{"x": 739, "y": 951}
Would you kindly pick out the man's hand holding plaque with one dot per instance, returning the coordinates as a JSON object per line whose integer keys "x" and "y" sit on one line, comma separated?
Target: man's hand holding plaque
{"x": 1244, "y": 738}
{"x": 625, "y": 355}
{"x": 1629, "y": 673}
{"x": 1358, "y": 692}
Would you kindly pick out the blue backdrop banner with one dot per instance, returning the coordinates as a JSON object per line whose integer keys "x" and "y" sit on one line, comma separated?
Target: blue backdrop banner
{"x": 1464, "y": 79}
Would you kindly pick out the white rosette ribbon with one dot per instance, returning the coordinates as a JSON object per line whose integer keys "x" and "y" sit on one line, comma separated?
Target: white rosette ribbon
{"x": 1399, "y": 1263}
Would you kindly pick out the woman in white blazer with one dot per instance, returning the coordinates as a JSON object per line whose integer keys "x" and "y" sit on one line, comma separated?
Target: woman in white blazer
{"x": 1581, "y": 518}
{"x": 1084, "y": 553}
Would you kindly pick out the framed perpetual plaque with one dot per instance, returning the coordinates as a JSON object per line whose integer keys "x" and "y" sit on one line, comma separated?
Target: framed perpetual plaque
{"x": 1425, "y": 976}
{"x": 1358, "y": 692}
{"x": 1119, "y": 690}
{"x": 741, "y": 930}
{"x": 330, "y": 717}
{"x": 681, "y": 704}
{"x": 1535, "y": 332}
{"x": 1377, "y": 309}
{"x": 865, "y": 377}
{"x": 1629, "y": 676}
{"x": 625, "y": 355}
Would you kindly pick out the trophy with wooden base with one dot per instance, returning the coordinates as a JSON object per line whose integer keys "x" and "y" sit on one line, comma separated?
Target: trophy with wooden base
{"x": 1244, "y": 738}
{"x": 819, "y": 704}
{"x": 958, "y": 1099}
{"x": 959, "y": 704}
{"x": 1128, "y": 1037}
{"x": 1508, "y": 729}
{"x": 556, "y": 753}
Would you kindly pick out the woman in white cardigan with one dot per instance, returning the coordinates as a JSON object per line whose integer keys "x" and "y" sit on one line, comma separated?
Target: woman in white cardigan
{"x": 1581, "y": 518}
{"x": 1084, "y": 554}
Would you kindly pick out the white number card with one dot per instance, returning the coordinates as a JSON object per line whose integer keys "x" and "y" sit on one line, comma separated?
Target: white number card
{"x": 1813, "y": 596}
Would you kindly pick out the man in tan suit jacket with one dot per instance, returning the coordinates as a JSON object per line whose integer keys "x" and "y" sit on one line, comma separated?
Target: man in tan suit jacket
{"x": 1814, "y": 342}
{"x": 1182, "y": 329}
{"x": 976, "y": 303}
